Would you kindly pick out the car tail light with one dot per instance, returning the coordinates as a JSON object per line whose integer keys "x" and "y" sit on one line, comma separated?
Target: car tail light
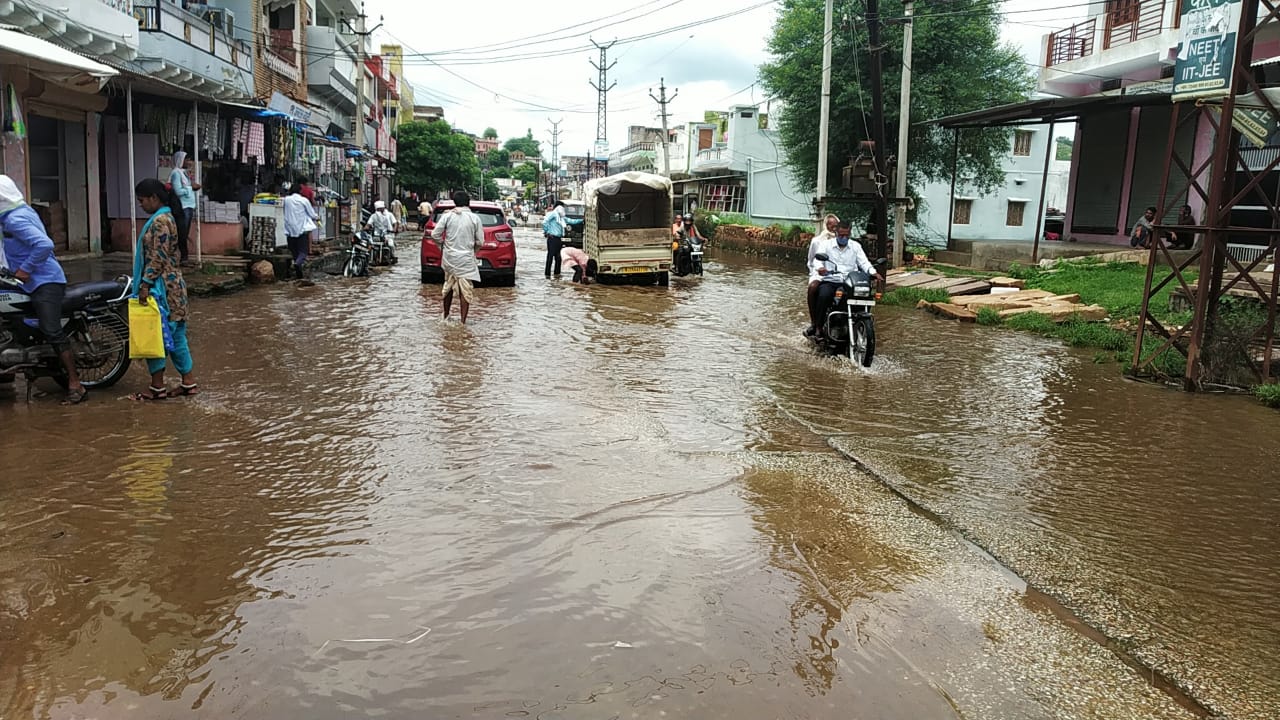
{"x": 504, "y": 236}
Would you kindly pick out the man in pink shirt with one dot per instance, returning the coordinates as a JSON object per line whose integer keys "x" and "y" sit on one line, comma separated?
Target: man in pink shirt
{"x": 583, "y": 267}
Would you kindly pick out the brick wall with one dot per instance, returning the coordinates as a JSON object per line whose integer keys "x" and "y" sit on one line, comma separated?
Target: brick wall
{"x": 266, "y": 80}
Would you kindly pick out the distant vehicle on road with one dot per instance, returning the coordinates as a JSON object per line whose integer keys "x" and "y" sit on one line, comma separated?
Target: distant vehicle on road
{"x": 575, "y": 215}
{"x": 497, "y": 258}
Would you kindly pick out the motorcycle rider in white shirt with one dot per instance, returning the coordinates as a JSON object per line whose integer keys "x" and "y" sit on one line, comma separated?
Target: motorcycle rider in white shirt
{"x": 847, "y": 256}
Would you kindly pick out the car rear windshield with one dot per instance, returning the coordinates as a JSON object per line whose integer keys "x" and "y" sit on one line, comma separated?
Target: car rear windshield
{"x": 489, "y": 217}
{"x": 575, "y": 210}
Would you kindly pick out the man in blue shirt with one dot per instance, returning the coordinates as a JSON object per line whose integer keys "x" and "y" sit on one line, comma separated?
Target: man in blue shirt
{"x": 554, "y": 228}
{"x": 29, "y": 254}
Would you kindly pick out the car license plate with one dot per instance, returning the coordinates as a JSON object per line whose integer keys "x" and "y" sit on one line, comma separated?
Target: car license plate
{"x": 863, "y": 303}
{"x": 635, "y": 269}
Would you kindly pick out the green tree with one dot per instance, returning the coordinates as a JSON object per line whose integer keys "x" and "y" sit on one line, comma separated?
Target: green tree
{"x": 432, "y": 157}
{"x": 490, "y": 134}
{"x": 526, "y": 172}
{"x": 958, "y": 65}
{"x": 526, "y": 145}
{"x": 500, "y": 172}
{"x": 1065, "y": 146}
{"x": 498, "y": 158}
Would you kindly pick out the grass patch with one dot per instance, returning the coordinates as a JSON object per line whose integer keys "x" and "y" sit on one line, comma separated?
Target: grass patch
{"x": 1075, "y": 332}
{"x": 1268, "y": 395}
{"x": 1115, "y": 286}
{"x": 910, "y": 297}
{"x": 989, "y": 316}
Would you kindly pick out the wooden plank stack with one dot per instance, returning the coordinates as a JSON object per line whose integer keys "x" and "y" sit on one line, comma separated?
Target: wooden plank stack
{"x": 1058, "y": 308}
{"x": 953, "y": 285}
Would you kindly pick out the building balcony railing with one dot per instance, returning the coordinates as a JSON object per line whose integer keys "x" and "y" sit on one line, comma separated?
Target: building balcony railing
{"x": 169, "y": 19}
{"x": 1128, "y": 21}
{"x": 1072, "y": 43}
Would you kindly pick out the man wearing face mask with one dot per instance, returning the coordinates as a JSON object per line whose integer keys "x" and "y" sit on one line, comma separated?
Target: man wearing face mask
{"x": 847, "y": 256}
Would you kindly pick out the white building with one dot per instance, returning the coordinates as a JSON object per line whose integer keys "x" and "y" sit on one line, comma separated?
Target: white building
{"x": 1009, "y": 212}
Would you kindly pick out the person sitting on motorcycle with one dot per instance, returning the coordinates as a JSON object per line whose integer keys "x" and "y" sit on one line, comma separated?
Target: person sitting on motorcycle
{"x": 684, "y": 228}
{"x": 383, "y": 221}
{"x": 28, "y": 250}
{"x": 847, "y": 256}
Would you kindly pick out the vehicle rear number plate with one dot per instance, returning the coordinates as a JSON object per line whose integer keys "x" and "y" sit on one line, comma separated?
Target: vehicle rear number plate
{"x": 635, "y": 269}
{"x": 864, "y": 303}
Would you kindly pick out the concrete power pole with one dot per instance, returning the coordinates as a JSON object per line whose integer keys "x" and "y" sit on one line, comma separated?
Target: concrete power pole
{"x": 662, "y": 101}
{"x": 602, "y": 90}
{"x": 824, "y": 119}
{"x": 880, "y": 211}
{"x": 555, "y": 151}
{"x": 904, "y": 125}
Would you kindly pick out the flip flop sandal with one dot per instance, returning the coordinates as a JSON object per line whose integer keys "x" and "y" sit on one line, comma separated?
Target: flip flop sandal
{"x": 75, "y": 397}
{"x": 187, "y": 390}
{"x": 152, "y": 393}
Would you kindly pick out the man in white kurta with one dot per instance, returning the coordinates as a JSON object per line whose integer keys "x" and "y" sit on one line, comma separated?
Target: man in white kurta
{"x": 460, "y": 235}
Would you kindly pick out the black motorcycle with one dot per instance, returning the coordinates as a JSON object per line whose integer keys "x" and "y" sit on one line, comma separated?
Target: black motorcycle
{"x": 358, "y": 255}
{"x": 93, "y": 317}
{"x": 382, "y": 252}
{"x": 847, "y": 327}
{"x": 686, "y": 255}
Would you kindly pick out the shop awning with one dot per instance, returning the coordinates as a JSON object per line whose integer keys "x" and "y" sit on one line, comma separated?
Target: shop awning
{"x": 1046, "y": 110}
{"x": 52, "y": 62}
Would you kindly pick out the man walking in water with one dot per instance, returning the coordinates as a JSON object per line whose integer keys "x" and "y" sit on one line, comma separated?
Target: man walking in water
{"x": 462, "y": 236}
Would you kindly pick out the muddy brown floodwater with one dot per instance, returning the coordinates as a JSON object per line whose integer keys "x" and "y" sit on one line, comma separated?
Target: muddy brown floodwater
{"x": 624, "y": 502}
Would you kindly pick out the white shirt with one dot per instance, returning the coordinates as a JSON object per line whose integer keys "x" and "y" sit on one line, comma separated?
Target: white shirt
{"x": 816, "y": 244}
{"x": 299, "y": 217}
{"x": 850, "y": 257}
{"x": 463, "y": 235}
{"x": 382, "y": 220}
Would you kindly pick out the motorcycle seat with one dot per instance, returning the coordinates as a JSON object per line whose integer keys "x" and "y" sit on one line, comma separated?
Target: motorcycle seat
{"x": 81, "y": 294}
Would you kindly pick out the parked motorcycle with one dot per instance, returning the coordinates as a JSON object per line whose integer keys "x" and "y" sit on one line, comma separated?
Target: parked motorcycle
{"x": 847, "y": 326}
{"x": 686, "y": 255}
{"x": 93, "y": 316}
{"x": 358, "y": 255}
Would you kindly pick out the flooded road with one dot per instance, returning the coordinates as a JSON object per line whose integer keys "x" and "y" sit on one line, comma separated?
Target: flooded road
{"x": 606, "y": 502}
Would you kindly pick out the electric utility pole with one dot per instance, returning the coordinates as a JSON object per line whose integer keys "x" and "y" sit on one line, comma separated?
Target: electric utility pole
{"x": 602, "y": 91}
{"x": 555, "y": 150}
{"x": 904, "y": 125}
{"x": 823, "y": 120}
{"x": 362, "y": 36}
{"x": 662, "y": 101}
{"x": 880, "y": 211}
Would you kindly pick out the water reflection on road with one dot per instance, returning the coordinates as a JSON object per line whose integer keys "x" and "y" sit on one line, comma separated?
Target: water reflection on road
{"x": 615, "y": 500}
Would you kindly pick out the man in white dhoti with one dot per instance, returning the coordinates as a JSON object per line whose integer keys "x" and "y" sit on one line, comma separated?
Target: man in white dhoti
{"x": 462, "y": 236}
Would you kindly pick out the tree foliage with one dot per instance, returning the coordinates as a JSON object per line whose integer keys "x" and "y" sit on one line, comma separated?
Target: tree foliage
{"x": 432, "y": 157}
{"x": 958, "y": 65}
{"x": 498, "y": 158}
{"x": 526, "y": 172}
{"x": 490, "y": 133}
{"x": 526, "y": 145}
{"x": 1064, "y": 147}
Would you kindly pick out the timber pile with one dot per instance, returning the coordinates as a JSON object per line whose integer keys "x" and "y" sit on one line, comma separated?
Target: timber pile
{"x": 1058, "y": 308}
{"x": 953, "y": 285}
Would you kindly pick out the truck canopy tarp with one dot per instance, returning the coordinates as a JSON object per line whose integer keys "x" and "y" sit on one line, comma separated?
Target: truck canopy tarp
{"x": 613, "y": 184}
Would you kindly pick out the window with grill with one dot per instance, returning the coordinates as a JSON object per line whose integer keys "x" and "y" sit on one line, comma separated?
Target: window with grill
{"x": 1017, "y": 209}
{"x": 1123, "y": 12}
{"x": 724, "y": 198}
{"x": 1022, "y": 143}
{"x": 961, "y": 212}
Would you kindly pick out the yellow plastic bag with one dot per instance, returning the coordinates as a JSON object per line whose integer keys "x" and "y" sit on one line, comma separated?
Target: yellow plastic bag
{"x": 146, "y": 335}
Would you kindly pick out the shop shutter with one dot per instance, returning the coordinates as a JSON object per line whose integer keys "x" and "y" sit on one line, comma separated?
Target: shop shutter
{"x": 1149, "y": 161}
{"x": 1100, "y": 173}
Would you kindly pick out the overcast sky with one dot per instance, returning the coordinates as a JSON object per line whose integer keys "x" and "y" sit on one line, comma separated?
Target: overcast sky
{"x": 712, "y": 65}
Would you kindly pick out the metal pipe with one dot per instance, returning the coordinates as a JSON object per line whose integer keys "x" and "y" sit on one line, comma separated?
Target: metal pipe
{"x": 133, "y": 180}
{"x": 1044, "y": 185}
{"x": 195, "y": 119}
{"x": 951, "y": 210}
{"x": 904, "y": 126}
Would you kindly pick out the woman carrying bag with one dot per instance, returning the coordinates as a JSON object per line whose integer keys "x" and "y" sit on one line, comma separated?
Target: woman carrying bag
{"x": 156, "y": 274}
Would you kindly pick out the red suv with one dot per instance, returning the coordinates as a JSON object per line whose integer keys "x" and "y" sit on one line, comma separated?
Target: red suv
{"x": 497, "y": 258}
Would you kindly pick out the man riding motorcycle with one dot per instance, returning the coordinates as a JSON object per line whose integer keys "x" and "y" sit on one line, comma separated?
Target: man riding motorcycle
{"x": 847, "y": 257}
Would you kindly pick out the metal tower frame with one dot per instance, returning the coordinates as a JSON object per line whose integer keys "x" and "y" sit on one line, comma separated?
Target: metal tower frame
{"x": 602, "y": 91}
{"x": 1215, "y": 180}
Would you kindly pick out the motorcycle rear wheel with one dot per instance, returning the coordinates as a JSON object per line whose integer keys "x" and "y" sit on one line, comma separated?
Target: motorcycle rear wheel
{"x": 862, "y": 344}
{"x": 101, "y": 349}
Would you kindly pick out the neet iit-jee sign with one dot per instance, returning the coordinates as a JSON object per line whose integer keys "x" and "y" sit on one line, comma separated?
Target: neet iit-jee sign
{"x": 1207, "y": 52}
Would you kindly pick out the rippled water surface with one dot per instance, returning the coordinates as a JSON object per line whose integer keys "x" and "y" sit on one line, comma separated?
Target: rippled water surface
{"x": 558, "y": 511}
